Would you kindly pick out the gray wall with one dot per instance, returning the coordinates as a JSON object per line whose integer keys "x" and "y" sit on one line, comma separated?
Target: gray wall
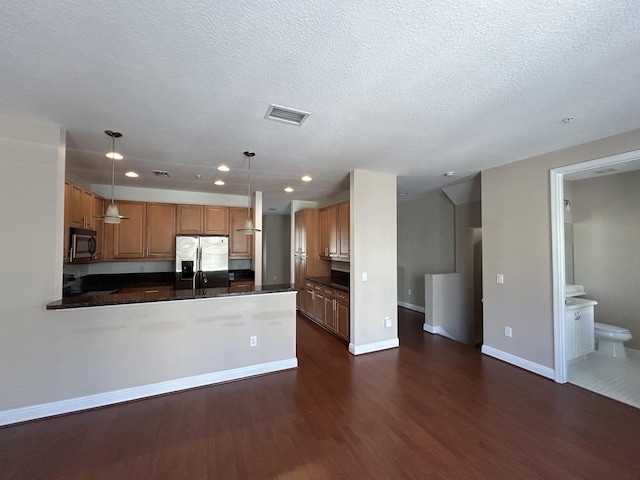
{"x": 516, "y": 232}
{"x": 276, "y": 235}
{"x": 606, "y": 232}
{"x": 425, "y": 244}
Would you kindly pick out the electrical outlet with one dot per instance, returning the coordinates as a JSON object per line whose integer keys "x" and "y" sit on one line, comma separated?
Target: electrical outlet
{"x": 508, "y": 332}
{"x": 364, "y": 276}
{"x": 500, "y": 278}
{"x": 387, "y": 322}
{"x": 253, "y": 341}
{"x": 409, "y": 291}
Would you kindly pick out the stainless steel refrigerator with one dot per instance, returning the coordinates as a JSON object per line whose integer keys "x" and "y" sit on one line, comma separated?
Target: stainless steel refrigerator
{"x": 202, "y": 261}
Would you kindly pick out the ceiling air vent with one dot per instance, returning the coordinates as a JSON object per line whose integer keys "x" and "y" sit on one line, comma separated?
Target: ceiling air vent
{"x": 161, "y": 173}
{"x": 288, "y": 115}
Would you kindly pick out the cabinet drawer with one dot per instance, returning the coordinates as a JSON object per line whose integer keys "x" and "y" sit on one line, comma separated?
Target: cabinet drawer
{"x": 342, "y": 295}
{"x": 235, "y": 287}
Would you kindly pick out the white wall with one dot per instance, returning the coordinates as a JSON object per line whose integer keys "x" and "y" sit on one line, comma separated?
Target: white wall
{"x": 374, "y": 252}
{"x": 425, "y": 244}
{"x": 48, "y": 357}
{"x": 606, "y": 223}
{"x": 516, "y": 232}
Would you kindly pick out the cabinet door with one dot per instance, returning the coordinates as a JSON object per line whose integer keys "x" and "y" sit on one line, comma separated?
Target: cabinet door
{"x": 190, "y": 219}
{"x": 329, "y": 231}
{"x": 98, "y": 226}
{"x": 569, "y": 335}
{"x": 161, "y": 230}
{"x": 584, "y": 331}
{"x": 129, "y": 235}
{"x": 310, "y": 303}
{"x": 76, "y": 217}
{"x": 329, "y": 311}
{"x": 342, "y": 315}
{"x": 216, "y": 220}
{"x": 240, "y": 244}
{"x": 343, "y": 230}
{"x": 87, "y": 209}
{"x": 318, "y": 305}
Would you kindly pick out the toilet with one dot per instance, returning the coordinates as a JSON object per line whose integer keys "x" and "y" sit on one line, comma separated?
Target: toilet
{"x": 610, "y": 339}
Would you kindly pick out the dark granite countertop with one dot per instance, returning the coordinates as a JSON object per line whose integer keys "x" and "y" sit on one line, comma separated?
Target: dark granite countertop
{"x": 161, "y": 296}
{"x": 329, "y": 282}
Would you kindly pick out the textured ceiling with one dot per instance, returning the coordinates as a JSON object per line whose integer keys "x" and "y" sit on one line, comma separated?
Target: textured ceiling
{"x": 413, "y": 88}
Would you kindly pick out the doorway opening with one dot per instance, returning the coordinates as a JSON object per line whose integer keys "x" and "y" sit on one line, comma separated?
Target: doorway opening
{"x": 625, "y": 162}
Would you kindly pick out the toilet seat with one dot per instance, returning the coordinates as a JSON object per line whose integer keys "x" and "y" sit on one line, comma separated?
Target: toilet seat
{"x": 609, "y": 329}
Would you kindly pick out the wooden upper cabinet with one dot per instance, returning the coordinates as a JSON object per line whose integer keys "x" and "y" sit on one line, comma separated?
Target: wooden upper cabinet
{"x": 161, "y": 230}
{"x": 240, "y": 244}
{"x": 76, "y": 209}
{"x": 87, "y": 209}
{"x": 190, "y": 219}
{"x": 343, "y": 230}
{"x": 216, "y": 220}
{"x": 148, "y": 233}
{"x": 329, "y": 231}
{"x": 129, "y": 235}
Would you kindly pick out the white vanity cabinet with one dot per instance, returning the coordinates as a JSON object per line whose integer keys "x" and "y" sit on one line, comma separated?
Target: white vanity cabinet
{"x": 578, "y": 329}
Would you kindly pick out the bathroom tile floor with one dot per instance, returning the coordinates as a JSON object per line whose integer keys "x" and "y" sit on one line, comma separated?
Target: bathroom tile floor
{"x": 617, "y": 378}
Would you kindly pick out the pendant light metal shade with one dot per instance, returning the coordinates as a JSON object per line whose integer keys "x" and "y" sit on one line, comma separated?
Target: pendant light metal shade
{"x": 112, "y": 215}
{"x": 249, "y": 228}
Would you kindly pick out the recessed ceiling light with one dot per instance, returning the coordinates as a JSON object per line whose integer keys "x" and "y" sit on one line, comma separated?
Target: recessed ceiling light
{"x": 306, "y": 178}
{"x": 568, "y": 119}
{"x": 218, "y": 182}
{"x": 114, "y": 155}
{"x": 449, "y": 174}
{"x": 132, "y": 175}
{"x": 223, "y": 168}
{"x": 288, "y": 189}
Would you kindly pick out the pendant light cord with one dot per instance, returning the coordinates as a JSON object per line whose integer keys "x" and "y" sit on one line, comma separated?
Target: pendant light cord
{"x": 113, "y": 169}
{"x": 249, "y": 190}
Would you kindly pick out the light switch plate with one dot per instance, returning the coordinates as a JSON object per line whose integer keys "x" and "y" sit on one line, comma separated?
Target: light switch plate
{"x": 500, "y": 278}
{"x": 364, "y": 276}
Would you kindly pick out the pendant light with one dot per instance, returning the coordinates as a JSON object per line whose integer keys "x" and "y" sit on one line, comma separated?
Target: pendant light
{"x": 248, "y": 229}
{"x": 112, "y": 215}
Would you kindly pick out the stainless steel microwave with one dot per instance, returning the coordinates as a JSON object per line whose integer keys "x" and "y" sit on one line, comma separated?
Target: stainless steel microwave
{"x": 82, "y": 244}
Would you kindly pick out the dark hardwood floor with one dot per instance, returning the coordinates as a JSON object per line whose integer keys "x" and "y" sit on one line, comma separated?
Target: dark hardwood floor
{"x": 432, "y": 408}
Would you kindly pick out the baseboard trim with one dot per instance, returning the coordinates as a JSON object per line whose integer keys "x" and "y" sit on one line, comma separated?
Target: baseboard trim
{"x": 411, "y": 306}
{"x": 519, "y": 362}
{"x": 24, "y": 414}
{"x": 436, "y": 330}
{"x": 373, "y": 347}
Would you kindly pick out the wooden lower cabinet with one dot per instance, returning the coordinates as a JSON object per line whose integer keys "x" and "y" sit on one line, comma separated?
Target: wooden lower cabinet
{"x": 342, "y": 314}
{"x": 327, "y": 307}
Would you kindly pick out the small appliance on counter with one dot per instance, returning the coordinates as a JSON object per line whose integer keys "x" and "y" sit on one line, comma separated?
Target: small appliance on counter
{"x": 202, "y": 261}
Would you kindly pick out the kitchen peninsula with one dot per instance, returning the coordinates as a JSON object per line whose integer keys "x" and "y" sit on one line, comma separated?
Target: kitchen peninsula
{"x": 127, "y": 346}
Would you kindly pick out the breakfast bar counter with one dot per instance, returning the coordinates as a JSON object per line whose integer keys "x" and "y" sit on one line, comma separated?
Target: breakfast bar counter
{"x": 161, "y": 296}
